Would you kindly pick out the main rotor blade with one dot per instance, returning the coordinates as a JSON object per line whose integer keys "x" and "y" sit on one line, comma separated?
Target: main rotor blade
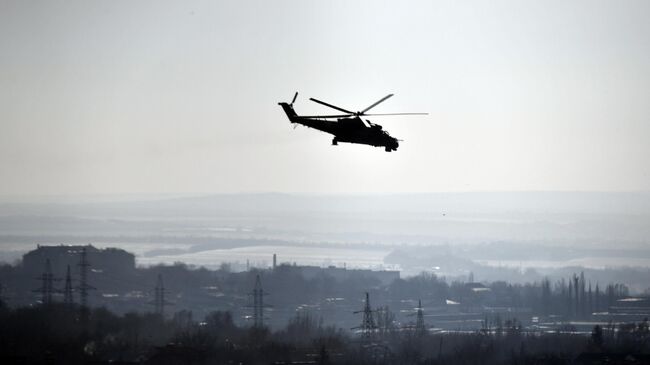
{"x": 378, "y": 115}
{"x": 375, "y": 104}
{"x": 331, "y": 106}
{"x": 325, "y": 116}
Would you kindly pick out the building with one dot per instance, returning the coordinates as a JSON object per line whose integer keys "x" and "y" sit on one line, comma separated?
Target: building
{"x": 106, "y": 260}
{"x": 385, "y": 277}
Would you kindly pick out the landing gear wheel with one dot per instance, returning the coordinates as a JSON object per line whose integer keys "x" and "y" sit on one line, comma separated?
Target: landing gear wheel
{"x": 335, "y": 142}
{"x": 388, "y": 149}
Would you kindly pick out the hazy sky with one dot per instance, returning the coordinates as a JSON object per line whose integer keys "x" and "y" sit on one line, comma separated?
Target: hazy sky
{"x": 160, "y": 96}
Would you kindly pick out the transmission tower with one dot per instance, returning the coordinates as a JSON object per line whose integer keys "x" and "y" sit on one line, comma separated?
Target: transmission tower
{"x": 420, "y": 328}
{"x": 84, "y": 287}
{"x": 47, "y": 284}
{"x": 159, "y": 301}
{"x": 368, "y": 326}
{"x": 67, "y": 290}
{"x": 258, "y": 303}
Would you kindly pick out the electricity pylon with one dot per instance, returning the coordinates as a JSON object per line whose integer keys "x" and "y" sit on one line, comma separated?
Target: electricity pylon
{"x": 159, "y": 301}
{"x": 420, "y": 328}
{"x": 67, "y": 289}
{"x": 84, "y": 287}
{"x": 368, "y": 326}
{"x": 47, "y": 284}
{"x": 258, "y": 303}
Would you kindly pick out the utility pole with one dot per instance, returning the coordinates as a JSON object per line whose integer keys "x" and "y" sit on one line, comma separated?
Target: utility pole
{"x": 67, "y": 290}
{"x": 367, "y": 326}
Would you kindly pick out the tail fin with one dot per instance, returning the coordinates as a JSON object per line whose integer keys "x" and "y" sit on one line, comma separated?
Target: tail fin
{"x": 288, "y": 108}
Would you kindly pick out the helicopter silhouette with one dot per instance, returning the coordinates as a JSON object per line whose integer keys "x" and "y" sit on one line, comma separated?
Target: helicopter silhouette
{"x": 348, "y": 127}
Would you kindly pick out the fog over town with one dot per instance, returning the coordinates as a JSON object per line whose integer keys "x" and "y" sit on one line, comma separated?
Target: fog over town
{"x": 463, "y": 262}
{"x": 516, "y": 230}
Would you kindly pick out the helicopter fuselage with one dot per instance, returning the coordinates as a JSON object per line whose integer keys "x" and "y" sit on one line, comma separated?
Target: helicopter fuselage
{"x": 349, "y": 130}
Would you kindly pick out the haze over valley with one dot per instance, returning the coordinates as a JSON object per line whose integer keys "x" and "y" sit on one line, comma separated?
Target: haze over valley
{"x": 491, "y": 235}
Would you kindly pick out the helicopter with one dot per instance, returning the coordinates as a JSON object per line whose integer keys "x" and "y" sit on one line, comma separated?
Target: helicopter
{"x": 348, "y": 127}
